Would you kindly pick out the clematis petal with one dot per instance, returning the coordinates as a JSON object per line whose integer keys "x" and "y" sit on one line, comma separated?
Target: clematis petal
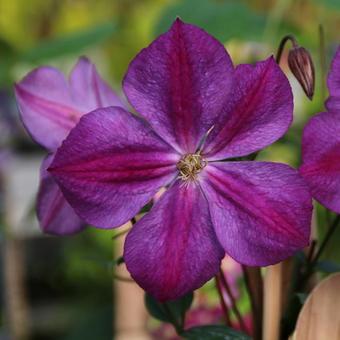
{"x": 261, "y": 211}
{"x": 111, "y": 165}
{"x": 50, "y": 106}
{"x": 46, "y": 107}
{"x": 173, "y": 249}
{"x": 89, "y": 90}
{"x": 321, "y": 158}
{"x": 179, "y": 84}
{"x": 333, "y": 81}
{"x": 54, "y": 213}
{"x": 259, "y": 111}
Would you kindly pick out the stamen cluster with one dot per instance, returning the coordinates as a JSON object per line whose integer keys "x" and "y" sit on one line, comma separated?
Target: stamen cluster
{"x": 190, "y": 166}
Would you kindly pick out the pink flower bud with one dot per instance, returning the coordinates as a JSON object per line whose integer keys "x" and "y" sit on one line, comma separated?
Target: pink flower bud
{"x": 301, "y": 64}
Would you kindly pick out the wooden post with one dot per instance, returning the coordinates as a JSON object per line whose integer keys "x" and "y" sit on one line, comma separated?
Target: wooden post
{"x": 130, "y": 313}
{"x": 272, "y": 302}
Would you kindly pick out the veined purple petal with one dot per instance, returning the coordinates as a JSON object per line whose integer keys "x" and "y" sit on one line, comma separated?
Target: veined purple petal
{"x": 89, "y": 90}
{"x": 258, "y": 112}
{"x": 50, "y": 106}
{"x": 261, "y": 211}
{"x": 180, "y": 83}
{"x": 173, "y": 249}
{"x": 54, "y": 213}
{"x": 321, "y": 158}
{"x": 111, "y": 165}
{"x": 46, "y": 107}
{"x": 333, "y": 82}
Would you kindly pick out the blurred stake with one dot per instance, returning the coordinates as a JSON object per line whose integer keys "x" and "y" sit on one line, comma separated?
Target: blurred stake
{"x": 21, "y": 176}
{"x": 320, "y": 317}
{"x": 15, "y": 292}
{"x": 254, "y": 283}
{"x": 130, "y": 313}
{"x": 272, "y": 302}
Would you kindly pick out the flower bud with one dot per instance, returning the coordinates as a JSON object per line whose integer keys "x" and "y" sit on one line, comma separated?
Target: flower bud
{"x": 301, "y": 64}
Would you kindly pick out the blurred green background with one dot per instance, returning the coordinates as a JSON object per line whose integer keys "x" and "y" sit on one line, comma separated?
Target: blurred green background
{"x": 68, "y": 281}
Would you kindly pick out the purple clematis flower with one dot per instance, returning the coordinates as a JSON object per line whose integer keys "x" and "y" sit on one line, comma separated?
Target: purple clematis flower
{"x": 50, "y": 107}
{"x": 321, "y": 146}
{"x": 195, "y": 111}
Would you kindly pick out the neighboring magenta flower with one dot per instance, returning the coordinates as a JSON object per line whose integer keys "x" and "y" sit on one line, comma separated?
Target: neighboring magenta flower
{"x": 195, "y": 112}
{"x": 321, "y": 146}
{"x": 50, "y": 107}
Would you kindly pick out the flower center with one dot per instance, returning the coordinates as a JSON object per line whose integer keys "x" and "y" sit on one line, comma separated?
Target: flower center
{"x": 190, "y": 165}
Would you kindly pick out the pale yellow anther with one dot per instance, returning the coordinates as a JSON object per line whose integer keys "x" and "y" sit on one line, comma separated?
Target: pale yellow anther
{"x": 190, "y": 166}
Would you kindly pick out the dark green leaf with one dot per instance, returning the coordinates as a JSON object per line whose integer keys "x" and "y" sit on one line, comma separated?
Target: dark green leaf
{"x": 300, "y": 256}
{"x": 72, "y": 43}
{"x": 223, "y": 19}
{"x": 333, "y": 4}
{"x": 214, "y": 332}
{"x": 302, "y": 297}
{"x": 327, "y": 267}
{"x": 177, "y": 308}
{"x": 120, "y": 260}
{"x": 8, "y": 56}
{"x": 146, "y": 208}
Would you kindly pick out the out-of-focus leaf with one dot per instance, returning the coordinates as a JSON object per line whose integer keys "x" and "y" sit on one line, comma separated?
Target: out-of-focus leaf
{"x": 146, "y": 208}
{"x": 334, "y": 4}
{"x": 72, "y": 43}
{"x": 302, "y": 297}
{"x": 7, "y": 59}
{"x": 223, "y": 19}
{"x": 214, "y": 332}
{"x": 331, "y": 252}
{"x": 301, "y": 257}
{"x": 120, "y": 261}
{"x": 327, "y": 267}
{"x": 177, "y": 308}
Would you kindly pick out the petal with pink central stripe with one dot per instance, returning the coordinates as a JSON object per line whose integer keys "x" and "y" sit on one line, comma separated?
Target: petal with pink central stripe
{"x": 173, "y": 249}
{"x": 333, "y": 82}
{"x": 111, "y": 165}
{"x": 261, "y": 211}
{"x": 258, "y": 111}
{"x": 180, "y": 83}
{"x": 55, "y": 214}
{"x": 46, "y": 107}
{"x": 321, "y": 158}
{"x": 89, "y": 91}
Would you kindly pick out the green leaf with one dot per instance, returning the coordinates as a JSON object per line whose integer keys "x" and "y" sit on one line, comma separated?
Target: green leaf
{"x": 300, "y": 256}
{"x": 223, "y": 19}
{"x": 72, "y": 43}
{"x": 302, "y": 297}
{"x": 146, "y": 208}
{"x": 327, "y": 267}
{"x": 333, "y": 4}
{"x": 171, "y": 311}
{"x": 214, "y": 332}
{"x": 120, "y": 261}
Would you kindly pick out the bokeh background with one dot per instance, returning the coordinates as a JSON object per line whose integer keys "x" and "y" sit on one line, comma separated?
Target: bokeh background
{"x": 61, "y": 288}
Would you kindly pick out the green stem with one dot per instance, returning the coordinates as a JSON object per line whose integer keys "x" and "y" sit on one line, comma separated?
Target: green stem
{"x": 311, "y": 265}
{"x": 222, "y": 301}
{"x": 325, "y": 241}
{"x": 293, "y": 309}
{"x": 254, "y": 284}
{"x": 282, "y": 46}
{"x": 322, "y": 50}
{"x": 172, "y": 318}
{"x": 233, "y": 301}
